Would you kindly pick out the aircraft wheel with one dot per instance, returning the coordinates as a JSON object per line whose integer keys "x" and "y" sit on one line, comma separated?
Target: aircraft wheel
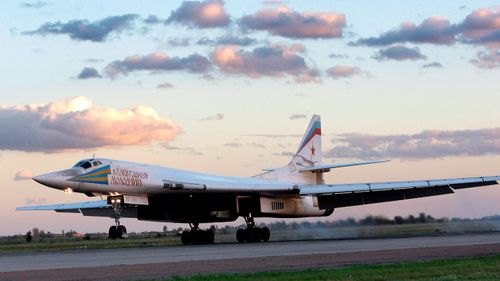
{"x": 122, "y": 231}
{"x": 186, "y": 237}
{"x": 209, "y": 236}
{"x": 253, "y": 235}
{"x": 113, "y": 232}
{"x": 241, "y": 235}
{"x": 265, "y": 234}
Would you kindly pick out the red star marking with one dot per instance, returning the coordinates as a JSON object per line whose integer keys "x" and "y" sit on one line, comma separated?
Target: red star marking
{"x": 313, "y": 151}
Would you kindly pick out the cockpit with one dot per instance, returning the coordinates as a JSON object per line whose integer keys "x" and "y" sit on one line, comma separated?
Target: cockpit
{"x": 88, "y": 163}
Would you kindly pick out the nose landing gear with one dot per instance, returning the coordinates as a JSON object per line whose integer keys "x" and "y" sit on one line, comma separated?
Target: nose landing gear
{"x": 197, "y": 236}
{"x": 252, "y": 233}
{"x": 117, "y": 230}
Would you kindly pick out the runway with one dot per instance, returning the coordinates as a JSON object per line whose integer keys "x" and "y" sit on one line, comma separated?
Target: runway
{"x": 182, "y": 260}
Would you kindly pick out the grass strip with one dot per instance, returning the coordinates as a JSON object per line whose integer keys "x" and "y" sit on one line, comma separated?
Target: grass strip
{"x": 485, "y": 268}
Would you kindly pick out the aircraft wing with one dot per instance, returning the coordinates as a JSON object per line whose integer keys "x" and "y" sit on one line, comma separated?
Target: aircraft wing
{"x": 98, "y": 208}
{"x": 344, "y": 195}
{"x": 67, "y": 208}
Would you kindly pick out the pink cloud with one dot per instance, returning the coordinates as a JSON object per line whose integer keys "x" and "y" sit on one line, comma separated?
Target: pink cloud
{"x": 285, "y": 22}
{"x": 76, "y": 124}
{"x": 165, "y": 85}
{"x": 23, "y": 175}
{"x": 156, "y": 62}
{"x": 343, "y": 71}
{"x": 205, "y": 14}
{"x": 272, "y": 61}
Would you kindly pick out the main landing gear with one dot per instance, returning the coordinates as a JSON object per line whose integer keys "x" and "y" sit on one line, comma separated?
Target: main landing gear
{"x": 252, "y": 233}
{"x": 197, "y": 236}
{"x": 117, "y": 230}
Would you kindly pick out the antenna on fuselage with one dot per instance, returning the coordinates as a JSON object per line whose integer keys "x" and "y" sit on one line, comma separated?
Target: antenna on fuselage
{"x": 93, "y": 155}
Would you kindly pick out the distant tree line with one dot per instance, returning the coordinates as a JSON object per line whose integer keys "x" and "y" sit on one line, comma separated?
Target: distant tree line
{"x": 372, "y": 220}
{"x": 369, "y": 220}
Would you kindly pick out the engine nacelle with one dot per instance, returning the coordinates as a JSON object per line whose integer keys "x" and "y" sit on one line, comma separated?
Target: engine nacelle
{"x": 292, "y": 207}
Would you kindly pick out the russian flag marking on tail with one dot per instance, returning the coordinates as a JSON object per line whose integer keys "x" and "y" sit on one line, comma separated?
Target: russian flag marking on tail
{"x": 315, "y": 130}
{"x": 310, "y": 146}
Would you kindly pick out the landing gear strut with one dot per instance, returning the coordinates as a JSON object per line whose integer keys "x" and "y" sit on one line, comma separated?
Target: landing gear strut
{"x": 197, "y": 236}
{"x": 252, "y": 233}
{"x": 117, "y": 230}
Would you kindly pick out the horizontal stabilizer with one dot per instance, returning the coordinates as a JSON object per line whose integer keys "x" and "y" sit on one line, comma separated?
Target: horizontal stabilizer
{"x": 327, "y": 167}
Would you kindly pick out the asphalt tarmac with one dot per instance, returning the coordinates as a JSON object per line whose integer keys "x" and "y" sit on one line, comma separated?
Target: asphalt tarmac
{"x": 184, "y": 260}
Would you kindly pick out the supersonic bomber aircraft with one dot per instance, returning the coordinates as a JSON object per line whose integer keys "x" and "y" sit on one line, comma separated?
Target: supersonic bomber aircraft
{"x": 155, "y": 193}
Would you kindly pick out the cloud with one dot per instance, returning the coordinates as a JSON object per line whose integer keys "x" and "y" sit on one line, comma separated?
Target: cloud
{"x": 93, "y": 60}
{"x": 256, "y": 145}
{"x": 227, "y": 40}
{"x": 23, "y": 175}
{"x": 33, "y": 5}
{"x": 285, "y": 154}
{"x": 480, "y": 28}
{"x": 190, "y": 150}
{"x": 343, "y": 71}
{"x": 272, "y": 61}
{"x": 75, "y": 124}
{"x": 165, "y": 85}
{"x": 206, "y": 14}
{"x": 235, "y": 144}
{"x": 274, "y": 2}
{"x": 179, "y": 42}
{"x": 273, "y": 136}
{"x": 312, "y": 75}
{"x": 433, "y": 65}
{"x": 35, "y": 201}
{"x": 285, "y": 22}
{"x": 296, "y": 116}
{"x": 338, "y": 56}
{"x": 232, "y": 144}
{"x": 427, "y": 144}
{"x": 84, "y": 30}
{"x": 88, "y": 72}
{"x": 216, "y": 117}
{"x": 487, "y": 59}
{"x": 435, "y": 30}
{"x": 399, "y": 53}
{"x": 152, "y": 19}
{"x": 157, "y": 62}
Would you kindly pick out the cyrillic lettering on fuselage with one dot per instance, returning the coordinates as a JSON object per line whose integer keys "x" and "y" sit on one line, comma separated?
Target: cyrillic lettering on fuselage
{"x": 127, "y": 177}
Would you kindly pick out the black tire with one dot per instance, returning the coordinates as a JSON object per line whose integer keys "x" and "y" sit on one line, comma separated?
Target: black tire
{"x": 265, "y": 234}
{"x": 254, "y": 234}
{"x": 121, "y": 231}
{"x": 241, "y": 235}
{"x": 210, "y": 236}
{"x": 186, "y": 238}
{"x": 113, "y": 232}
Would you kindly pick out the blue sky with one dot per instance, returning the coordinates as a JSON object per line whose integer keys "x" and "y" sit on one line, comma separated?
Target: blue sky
{"x": 377, "y": 92}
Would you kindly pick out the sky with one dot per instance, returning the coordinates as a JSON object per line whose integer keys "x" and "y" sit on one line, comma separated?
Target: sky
{"x": 228, "y": 87}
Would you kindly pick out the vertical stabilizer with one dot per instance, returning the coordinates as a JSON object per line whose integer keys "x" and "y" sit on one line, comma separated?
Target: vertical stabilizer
{"x": 307, "y": 155}
{"x": 310, "y": 146}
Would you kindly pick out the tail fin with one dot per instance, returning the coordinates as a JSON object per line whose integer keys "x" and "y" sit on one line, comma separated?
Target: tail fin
{"x": 310, "y": 146}
{"x": 308, "y": 154}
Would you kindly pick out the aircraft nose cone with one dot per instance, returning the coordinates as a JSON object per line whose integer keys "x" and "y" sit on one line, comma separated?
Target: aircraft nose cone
{"x": 42, "y": 179}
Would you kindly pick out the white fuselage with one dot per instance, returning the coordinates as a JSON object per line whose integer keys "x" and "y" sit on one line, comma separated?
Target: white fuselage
{"x": 112, "y": 177}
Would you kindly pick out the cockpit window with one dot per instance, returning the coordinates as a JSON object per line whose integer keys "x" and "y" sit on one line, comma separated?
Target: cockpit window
{"x": 86, "y": 165}
{"x": 78, "y": 164}
{"x": 95, "y": 164}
